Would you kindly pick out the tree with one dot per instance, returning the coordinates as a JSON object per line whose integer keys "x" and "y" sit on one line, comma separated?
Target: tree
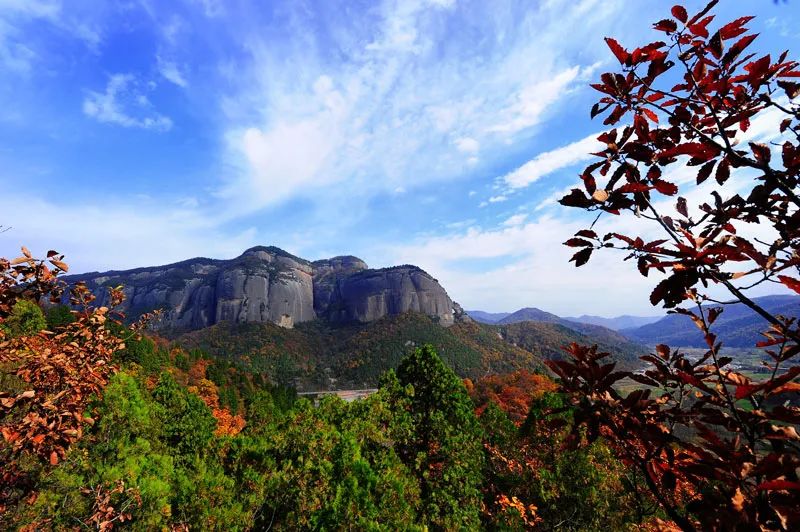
{"x": 48, "y": 379}
{"x": 718, "y": 449}
{"x": 26, "y": 319}
{"x": 59, "y": 316}
{"x": 438, "y": 437}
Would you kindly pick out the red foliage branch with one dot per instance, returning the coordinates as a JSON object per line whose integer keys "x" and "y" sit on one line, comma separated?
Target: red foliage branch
{"x": 718, "y": 450}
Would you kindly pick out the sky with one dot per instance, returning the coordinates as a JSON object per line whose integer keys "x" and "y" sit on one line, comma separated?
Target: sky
{"x": 431, "y": 132}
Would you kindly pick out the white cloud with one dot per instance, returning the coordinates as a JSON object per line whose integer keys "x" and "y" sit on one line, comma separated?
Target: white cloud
{"x": 171, "y": 72}
{"x": 460, "y": 225}
{"x": 515, "y": 220}
{"x": 549, "y": 162}
{"x": 467, "y": 145}
{"x": 124, "y": 103}
{"x": 31, "y": 8}
{"x": 117, "y": 233}
{"x": 532, "y": 269}
{"x": 211, "y": 8}
{"x": 528, "y": 106}
{"x": 498, "y": 199}
{"x": 308, "y": 121}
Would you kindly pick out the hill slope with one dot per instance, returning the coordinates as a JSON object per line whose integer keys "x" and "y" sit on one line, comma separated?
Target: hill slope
{"x": 546, "y": 339}
{"x": 318, "y": 354}
{"x": 608, "y": 339}
{"x": 617, "y": 323}
{"x": 737, "y": 326}
{"x": 487, "y": 317}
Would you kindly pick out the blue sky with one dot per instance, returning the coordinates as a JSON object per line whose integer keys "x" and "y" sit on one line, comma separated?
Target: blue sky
{"x": 432, "y": 132}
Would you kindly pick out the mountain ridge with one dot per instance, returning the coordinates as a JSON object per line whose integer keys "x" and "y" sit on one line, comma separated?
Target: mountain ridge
{"x": 737, "y": 326}
{"x": 616, "y": 323}
{"x": 268, "y": 284}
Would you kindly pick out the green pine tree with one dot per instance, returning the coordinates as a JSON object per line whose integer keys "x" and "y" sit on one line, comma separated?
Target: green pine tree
{"x": 439, "y": 438}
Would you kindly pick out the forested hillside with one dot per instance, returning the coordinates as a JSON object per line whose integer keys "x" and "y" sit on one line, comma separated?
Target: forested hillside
{"x": 317, "y": 355}
{"x": 181, "y": 439}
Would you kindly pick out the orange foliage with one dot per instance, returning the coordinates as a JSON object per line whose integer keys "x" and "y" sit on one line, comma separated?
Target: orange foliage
{"x": 227, "y": 423}
{"x": 58, "y": 373}
{"x": 513, "y": 392}
{"x": 526, "y": 513}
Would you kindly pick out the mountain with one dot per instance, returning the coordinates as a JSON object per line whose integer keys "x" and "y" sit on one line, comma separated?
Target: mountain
{"x": 321, "y": 355}
{"x": 598, "y": 333}
{"x": 737, "y": 326}
{"x": 537, "y": 330}
{"x": 269, "y": 285}
{"x": 617, "y": 323}
{"x": 486, "y": 317}
{"x": 530, "y": 314}
{"x": 547, "y": 339}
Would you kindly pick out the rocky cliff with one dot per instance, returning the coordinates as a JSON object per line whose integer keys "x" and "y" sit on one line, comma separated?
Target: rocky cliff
{"x": 267, "y": 284}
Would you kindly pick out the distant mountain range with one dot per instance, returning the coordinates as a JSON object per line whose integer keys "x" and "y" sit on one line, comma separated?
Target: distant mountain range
{"x": 336, "y": 322}
{"x": 535, "y": 314}
{"x": 737, "y": 326}
{"x": 487, "y": 317}
{"x": 618, "y": 323}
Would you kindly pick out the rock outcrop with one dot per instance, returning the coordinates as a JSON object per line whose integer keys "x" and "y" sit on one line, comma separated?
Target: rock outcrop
{"x": 369, "y": 295}
{"x": 267, "y": 284}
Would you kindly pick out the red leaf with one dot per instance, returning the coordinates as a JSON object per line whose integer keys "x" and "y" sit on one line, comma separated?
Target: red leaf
{"x": 738, "y": 48}
{"x": 705, "y": 171}
{"x": 665, "y": 187}
{"x": 620, "y": 53}
{"x": 651, "y": 115}
{"x": 577, "y": 243}
{"x": 761, "y": 152}
{"x": 746, "y": 390}
{"x": 576, "y": 198}
{"x": 735, "y": 28}
{"x": 667, "y": 25}
{"x": 723, "y": 172}
{"x": 700, "y": 29}
{"x": 581, "y": 257}
{"x": 792, "y": 89}
{"x": 757, "y": 69}
{"x": 679, "y": 12}
{"x": 680, "y": 206}
{"x": 775, "y": 485}
{"x": 794, "y": 284}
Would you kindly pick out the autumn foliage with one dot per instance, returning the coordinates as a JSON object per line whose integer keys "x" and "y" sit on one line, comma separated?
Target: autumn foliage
{"x": 512, "y": 392}
{"x": 719, "y": 450}
{"x": 44, "y": 407}
{"x": 228, "y": 424}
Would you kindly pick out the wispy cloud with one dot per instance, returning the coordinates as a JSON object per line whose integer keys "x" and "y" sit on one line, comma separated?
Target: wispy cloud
{"x": 171, "y": 72}
{"x": 552, "y": 161}
{"x": 515, "y": 220}
{"x": 414, "y": 105}
{"x": 531, "y": 268}
{"x": 528, "y": 106}
{"x": 111, "y": 234}
{"x": 124, "y": 102}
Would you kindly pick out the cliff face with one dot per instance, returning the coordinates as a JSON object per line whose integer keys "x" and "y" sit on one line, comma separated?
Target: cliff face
{"x": 266, "y": 284}
{"x": 372, "y": 294}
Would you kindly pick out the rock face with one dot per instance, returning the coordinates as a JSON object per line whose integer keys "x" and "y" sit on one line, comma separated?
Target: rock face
{"x": 267, "y": 284}
{"x": 369, "y": 295}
